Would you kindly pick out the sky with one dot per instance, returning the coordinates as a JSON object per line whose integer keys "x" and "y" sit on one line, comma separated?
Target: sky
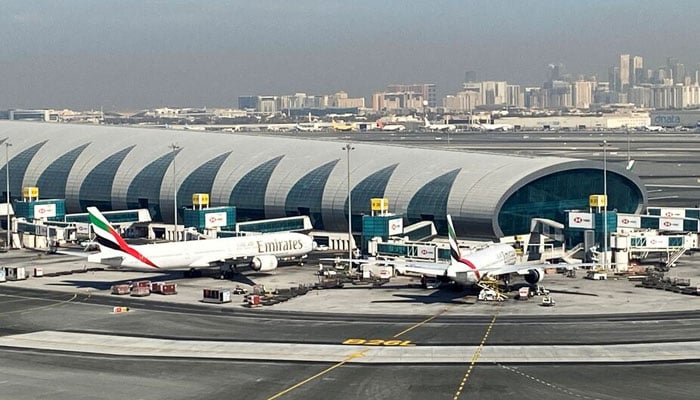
{"x": 134, "y": 54}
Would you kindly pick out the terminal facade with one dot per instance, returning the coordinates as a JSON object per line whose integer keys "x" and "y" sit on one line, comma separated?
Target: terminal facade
{"x": 115, "y": 168}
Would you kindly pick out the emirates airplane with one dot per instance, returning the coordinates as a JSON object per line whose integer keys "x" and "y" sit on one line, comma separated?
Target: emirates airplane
{"x": 496, "y": 260}
{"x": 261, "y": 252}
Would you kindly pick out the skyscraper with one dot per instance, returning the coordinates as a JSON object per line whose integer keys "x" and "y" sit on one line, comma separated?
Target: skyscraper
{"x": 638, "y": 74}
{"x": 614, "y": 79}
{"x": 624, "y": 72}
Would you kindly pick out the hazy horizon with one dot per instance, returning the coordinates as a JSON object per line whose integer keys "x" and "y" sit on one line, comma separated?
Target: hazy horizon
{"x": 130, "y": 55}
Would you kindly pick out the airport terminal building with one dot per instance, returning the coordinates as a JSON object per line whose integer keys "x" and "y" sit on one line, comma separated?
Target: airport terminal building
{"x": 115, "y": 167}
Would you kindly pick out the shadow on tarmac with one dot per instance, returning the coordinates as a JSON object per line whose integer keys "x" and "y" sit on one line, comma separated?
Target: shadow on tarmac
{"x": 161, "y": 277}
{"x": 438, "y": 296}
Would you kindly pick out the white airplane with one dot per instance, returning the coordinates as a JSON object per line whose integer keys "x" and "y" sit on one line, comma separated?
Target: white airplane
{"x": 496, "y": 127}
{"x": 496, "y": 260}
{"x": 315, "y": 127}
{"x": 438, "y": 127}
{"x": 390, "y": 127}
{"x": 654, "y": 128}
{"x": 261, "y": 252}
{"x": 311, "y": 126}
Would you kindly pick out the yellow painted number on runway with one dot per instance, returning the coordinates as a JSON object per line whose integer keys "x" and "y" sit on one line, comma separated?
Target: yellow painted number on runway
{"x": 377, "y": 342}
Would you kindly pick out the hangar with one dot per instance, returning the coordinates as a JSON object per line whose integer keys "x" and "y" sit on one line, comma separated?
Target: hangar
{"x": 117, "y": 167}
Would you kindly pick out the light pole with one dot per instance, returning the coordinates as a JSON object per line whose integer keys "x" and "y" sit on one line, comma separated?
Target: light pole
{"x": 348, "y": 147}
{"x": 7, "y": 191}
{"x": 174, "y": 148}
{"x": 605, "y": 205}
{"x": 628, "y": 146}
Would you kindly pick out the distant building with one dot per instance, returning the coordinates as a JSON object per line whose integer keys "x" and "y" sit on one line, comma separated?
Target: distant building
{"x": 426, "y": 90}
{"x": 638, "y": 74}
{"x": 248, "y": 102}
{"x": 556, "y": 122}
{"x": 676, "y": 118}
{"x": 583, "y": 94}
{"x": 33, "y": 115}
{"x": 397, "y": 101}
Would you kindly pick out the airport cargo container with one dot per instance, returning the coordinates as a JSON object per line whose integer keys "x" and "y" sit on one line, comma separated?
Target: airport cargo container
{"x": 141, "y": 288}
{"x": 121, "y": 289}
{"x": 216, "y": 296}
{"x": 524, "y": 293}
{"x": 164, "y": 287}
{"x": 253, "y": 300}
{"x": 141, "y": 291}
{"x": 15, "y": 273}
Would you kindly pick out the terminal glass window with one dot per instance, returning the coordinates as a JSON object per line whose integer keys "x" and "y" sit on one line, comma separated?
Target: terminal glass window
{"x": 200, "y": 180}
{"x": 249, "y": 193}
{"x": 430, "y": 202}
{"x": 112, "y": 216}
{"x": 549, "y": 197}
{"x": 370, "y": 187}
{"x": 18, "y": 168}
{"x": 52, "y": 182}
{"x": 305, "y": 197}
{"x": 96, "y": 189}
{"x": 283, "y": 225}
{"x": 144, "y": 189}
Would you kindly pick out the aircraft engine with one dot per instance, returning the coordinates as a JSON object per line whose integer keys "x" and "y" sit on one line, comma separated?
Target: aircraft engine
{"x": 263, "y": 263}
{"x": 534, "y": 276}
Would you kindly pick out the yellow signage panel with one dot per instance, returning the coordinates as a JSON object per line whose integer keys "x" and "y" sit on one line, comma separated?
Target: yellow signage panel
{"x": 200, "y": 199}
{"x": 380, "y": 204}
{"x": 597, "y": 200}
{"x": 30, "y": 191}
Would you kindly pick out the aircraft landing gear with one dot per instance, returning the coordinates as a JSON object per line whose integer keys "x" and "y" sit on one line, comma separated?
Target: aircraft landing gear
{"x": 227, "y": 271}
{"x": 506, "y": 283}
{"x": 193, "y": 273}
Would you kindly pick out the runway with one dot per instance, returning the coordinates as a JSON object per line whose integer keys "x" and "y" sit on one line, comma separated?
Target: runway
{"x": 185, "y": 351}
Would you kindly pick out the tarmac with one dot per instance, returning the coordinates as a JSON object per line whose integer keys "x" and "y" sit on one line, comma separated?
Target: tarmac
{"x": 362, "y": 354}
{"x": 401, "y": 295}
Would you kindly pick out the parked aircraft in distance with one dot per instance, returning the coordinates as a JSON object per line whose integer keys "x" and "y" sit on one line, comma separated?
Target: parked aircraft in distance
{"x": 496, "y": 127}
{"x": 342, "y": 126}
{"x": 438, "y": 127}
{"x": 390, "y": 127}
{"x": 261, "y": 252}
{"x": 315, "y": 127}
{"x": 654, "y": 128}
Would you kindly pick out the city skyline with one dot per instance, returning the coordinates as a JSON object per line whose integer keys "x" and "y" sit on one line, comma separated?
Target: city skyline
{"x": 119, "y": 55}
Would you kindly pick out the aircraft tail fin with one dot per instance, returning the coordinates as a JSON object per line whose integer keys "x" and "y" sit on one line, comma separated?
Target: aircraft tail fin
{"x": 455, "y": 253}
{"x": 109, "y": 238}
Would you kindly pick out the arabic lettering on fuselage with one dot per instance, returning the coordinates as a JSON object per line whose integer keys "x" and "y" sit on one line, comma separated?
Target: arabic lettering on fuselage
{"x": 508, "y": 257}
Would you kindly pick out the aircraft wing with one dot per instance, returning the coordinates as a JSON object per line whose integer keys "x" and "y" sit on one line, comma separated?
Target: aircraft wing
{"x": 524, "y": 268}
{"x": 339, "y": 260}
{"x": 440, "y": 269}
{"x": 424, "y": 268}
{"x": 75, "y": 253}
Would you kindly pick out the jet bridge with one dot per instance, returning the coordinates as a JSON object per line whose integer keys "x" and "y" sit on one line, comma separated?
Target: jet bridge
{"x": 648, "y": 245}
